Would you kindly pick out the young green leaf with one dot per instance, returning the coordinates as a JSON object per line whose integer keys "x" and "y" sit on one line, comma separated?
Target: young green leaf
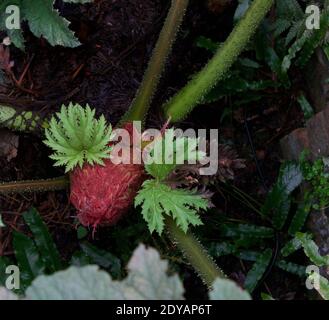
{"x": 158, "y": 200}
{"x": 77, "y": 137}
{"x": 169, "y": 151}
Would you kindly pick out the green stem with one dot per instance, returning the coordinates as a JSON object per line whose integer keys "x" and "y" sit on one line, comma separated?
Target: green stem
{"x": 193, "y": 93}
{"x": 144, "y": 96}
{"x": 34, "y": 185}
{"x": 195, "y": 253}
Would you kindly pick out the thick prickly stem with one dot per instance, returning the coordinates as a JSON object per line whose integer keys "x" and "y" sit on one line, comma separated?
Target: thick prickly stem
{"x": 192, "y": 94}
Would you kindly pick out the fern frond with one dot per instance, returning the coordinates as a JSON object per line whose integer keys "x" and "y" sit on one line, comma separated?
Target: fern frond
{"x": 76, "y": 137}
{"x": 317, "y": 39}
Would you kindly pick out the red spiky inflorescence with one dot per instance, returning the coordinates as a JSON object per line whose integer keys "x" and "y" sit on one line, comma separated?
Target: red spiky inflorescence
{"x": 103, "y": 194}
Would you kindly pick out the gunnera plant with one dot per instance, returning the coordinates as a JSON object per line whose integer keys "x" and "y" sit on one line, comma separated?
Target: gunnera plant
{"x": 102, "y": 192}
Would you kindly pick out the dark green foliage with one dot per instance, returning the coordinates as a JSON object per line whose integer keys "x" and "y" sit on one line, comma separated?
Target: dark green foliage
{"x": 305, "y": 106}
{"x": 268, "y": 246}
{"x": 43, "y": 240}
{"x": 302, "y": 212}
{"x": 277, "y": 203}
{"x": 257, "y": 270}
{"x": 28, "y": 259}
{"x": 39, "y": 255}
{"x": 102, "y": 258}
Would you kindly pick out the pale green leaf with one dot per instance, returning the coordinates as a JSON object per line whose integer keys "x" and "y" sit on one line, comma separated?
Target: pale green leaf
{"x": 7, "y": 295}
{"x": 144, "y": 282}
{"x": 225, "y": 289}
{"x": 312, "y": 250}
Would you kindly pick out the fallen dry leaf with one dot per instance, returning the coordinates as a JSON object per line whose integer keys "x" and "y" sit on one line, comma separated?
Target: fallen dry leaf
{"x": 8, "y": 144}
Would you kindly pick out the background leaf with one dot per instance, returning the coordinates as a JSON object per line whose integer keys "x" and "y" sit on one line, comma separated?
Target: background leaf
{"x": 43, "y": 240}
{"x": 224, "y": 289}
{"x": 28, "y": 258}
{"x": 257, "y": 270}
{"x": 147, "y": 280}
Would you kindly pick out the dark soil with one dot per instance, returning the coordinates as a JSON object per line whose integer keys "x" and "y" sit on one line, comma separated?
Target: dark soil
{"x": 105, "y": 72}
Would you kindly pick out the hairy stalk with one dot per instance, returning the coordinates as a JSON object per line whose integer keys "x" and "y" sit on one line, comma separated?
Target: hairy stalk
{"x": 187, "y": 243}
{"x": 195, "y": 253}
{"x": 34, "y": 185}
{"x": 144, "y": 96}
{"x": 19, "y": 121}
{"x": 178, "y": 107}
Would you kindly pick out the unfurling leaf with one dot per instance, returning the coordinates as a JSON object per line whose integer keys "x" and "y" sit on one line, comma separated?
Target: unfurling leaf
{"x": 169, "y": 151}
{"x": 77, "y": 137}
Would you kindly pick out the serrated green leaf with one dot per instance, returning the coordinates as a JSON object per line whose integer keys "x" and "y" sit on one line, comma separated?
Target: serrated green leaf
{"x": 158, "y": 200}
{"x": 225, "y": 289}
{"x": 257, "y": 270}
{"x": 169, "y": 151}
{"x": 43, "y": 240}
{"x": 77, "y": 137}
{"x": 45, "y": 21}
{"x": 144, "y": 282}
